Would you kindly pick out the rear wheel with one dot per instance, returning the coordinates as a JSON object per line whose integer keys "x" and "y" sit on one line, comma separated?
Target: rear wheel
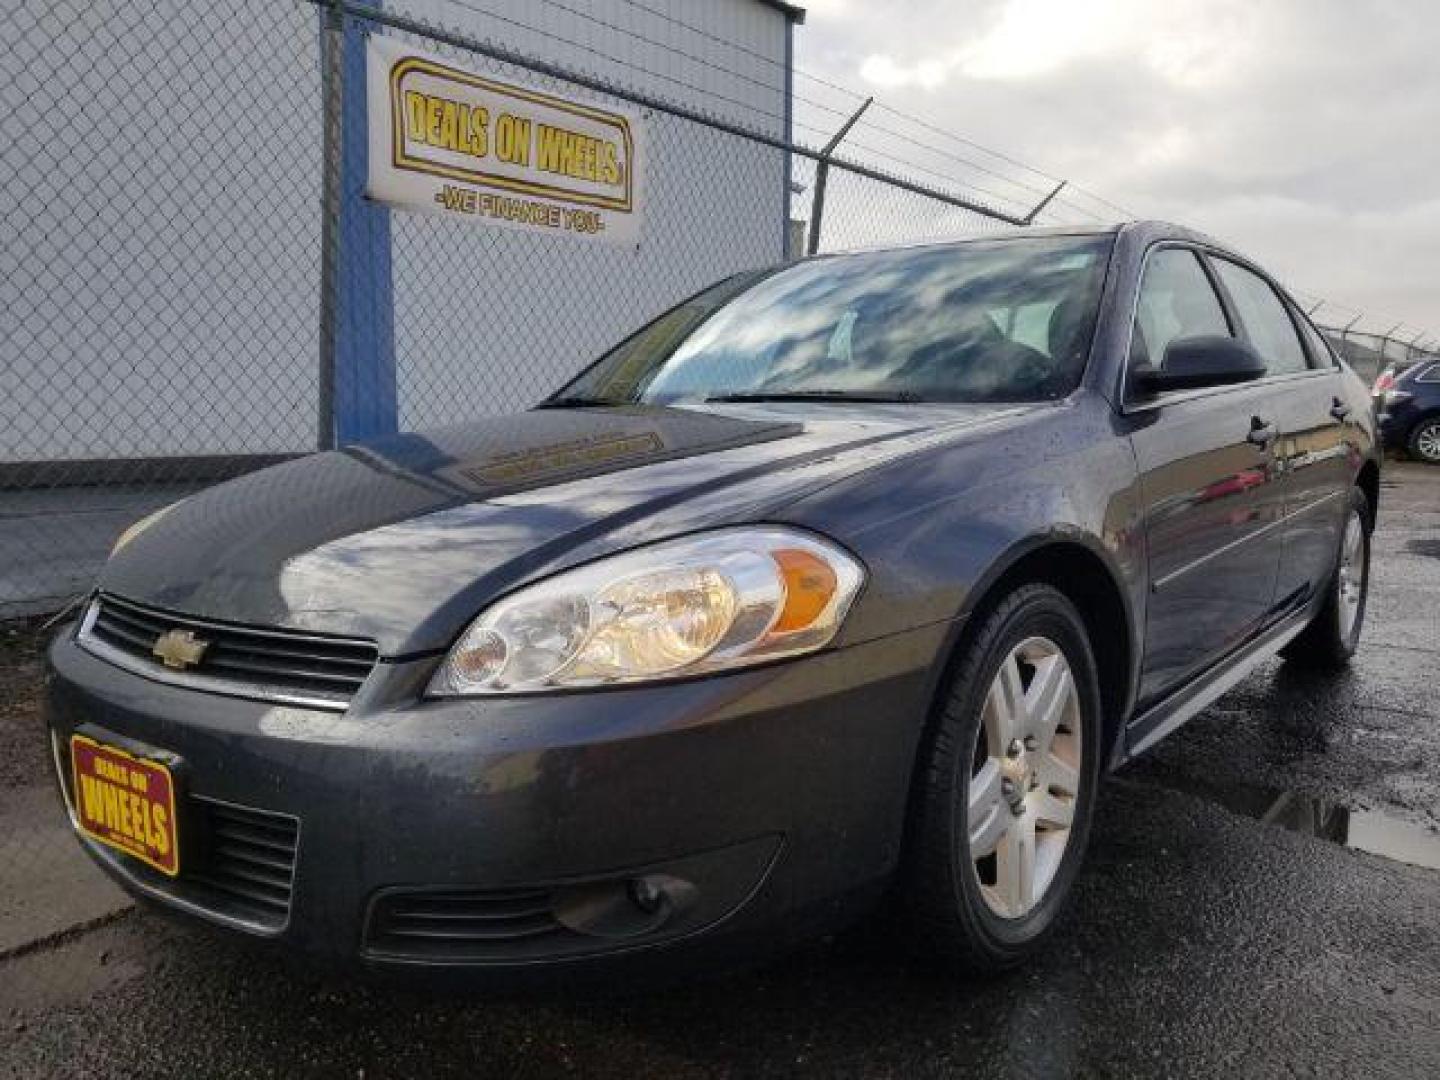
{"x": 1425, "y": 440}
{"x": 1006, "y": 786}
{"x": 1333, "y": 635}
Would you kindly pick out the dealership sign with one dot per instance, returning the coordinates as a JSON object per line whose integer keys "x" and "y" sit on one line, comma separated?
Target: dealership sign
{"x": 447, "y": 140}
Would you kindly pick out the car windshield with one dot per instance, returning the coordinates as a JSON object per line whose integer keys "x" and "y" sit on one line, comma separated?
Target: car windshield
{"x": 995, "y": 320}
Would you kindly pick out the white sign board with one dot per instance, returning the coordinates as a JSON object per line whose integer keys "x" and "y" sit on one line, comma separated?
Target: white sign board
{"x": 447, "y": 140}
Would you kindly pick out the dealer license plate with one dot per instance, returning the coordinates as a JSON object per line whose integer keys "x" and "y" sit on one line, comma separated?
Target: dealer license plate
{"x": 125, "y": 802}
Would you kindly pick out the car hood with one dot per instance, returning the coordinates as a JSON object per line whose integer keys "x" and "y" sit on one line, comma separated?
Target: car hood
{"x": 402, "y": 541}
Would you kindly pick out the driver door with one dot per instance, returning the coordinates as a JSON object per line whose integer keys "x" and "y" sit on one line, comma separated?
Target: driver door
{"x": 1209, "y": 485}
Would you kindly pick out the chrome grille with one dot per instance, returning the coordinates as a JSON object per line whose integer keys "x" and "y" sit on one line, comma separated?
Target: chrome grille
{"x": 279, "y": 665}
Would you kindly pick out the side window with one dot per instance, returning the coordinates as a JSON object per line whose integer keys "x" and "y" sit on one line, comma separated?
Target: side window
{"x": 1321, "y": 355}
{"x": 1265, "y": 318}
{"x": 1176, "y": 301}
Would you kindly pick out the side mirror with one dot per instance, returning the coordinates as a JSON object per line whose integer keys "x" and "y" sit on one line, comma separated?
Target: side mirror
{"x": 1203, "y": 360}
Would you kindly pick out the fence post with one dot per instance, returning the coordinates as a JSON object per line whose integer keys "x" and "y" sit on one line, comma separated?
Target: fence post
{"x": 822, "y": 173}
{"x": 1411, "y": 344}
{"x": 1345, "y": 338}
{"x": 1035, "y": 211}
{"x": 357, "y": 392}
{"x": 1385, "y": 346}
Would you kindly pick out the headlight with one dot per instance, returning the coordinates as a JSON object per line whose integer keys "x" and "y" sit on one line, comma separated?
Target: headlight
{"x": 140, "y": 526}
{"x": 704, "y": 603}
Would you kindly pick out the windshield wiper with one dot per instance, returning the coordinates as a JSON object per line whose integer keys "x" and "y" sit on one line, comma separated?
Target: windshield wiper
{"x": 882, "y": 396}
{"x": 578, "y": 402}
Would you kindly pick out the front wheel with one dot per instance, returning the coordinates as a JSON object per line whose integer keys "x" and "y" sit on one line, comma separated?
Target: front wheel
{"x": 1425, "y": 440}
{"x": 1006, "y": 786}
{"x": 1331, "y": 638}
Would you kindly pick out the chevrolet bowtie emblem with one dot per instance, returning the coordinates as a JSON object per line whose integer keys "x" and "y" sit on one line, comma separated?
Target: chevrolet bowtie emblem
{"x": 179, "y": 649}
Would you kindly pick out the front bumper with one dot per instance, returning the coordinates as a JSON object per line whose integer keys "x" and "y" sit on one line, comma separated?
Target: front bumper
{"x": 760, "y": 804}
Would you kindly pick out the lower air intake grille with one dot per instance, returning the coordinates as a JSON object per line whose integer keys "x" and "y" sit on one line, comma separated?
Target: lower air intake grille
{"x": 463, "y": 924}
{"x": 244, "y": 862}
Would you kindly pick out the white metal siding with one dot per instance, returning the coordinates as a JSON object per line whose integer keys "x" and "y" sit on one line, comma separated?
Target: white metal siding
{"x": 170, "y": 285}
{"x": 160, "y": 235}
{"x": 543, "y": 308}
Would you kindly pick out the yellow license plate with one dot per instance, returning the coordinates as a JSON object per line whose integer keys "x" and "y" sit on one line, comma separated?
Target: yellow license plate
{"x": 125, "y": 802}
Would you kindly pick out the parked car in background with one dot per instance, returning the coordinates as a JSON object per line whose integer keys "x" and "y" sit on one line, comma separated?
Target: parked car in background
{"x": 1410, "y": 412}
{"x": 841, "y": 580}
{"x": 1392, "y": 371}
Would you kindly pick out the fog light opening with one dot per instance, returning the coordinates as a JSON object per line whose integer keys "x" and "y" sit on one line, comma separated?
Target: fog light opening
{"x": 646, "y": 894}
{"x": 624, "y": 907}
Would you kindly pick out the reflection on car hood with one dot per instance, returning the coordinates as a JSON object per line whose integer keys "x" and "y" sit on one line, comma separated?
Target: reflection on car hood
{"x": 402, "y": 540}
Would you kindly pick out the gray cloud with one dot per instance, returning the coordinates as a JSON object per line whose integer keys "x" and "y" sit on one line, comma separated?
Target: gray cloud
{"x": 1302, "y": 131}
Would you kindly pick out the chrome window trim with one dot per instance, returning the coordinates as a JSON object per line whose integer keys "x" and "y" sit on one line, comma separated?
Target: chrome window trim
{"x": 1203, "y": 252}
{"x": 253, "y": 691}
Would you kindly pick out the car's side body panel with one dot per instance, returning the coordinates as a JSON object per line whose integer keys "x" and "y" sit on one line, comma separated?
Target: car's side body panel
{"x": 1272, "y": 536}
{"x": 1212, "y": 502}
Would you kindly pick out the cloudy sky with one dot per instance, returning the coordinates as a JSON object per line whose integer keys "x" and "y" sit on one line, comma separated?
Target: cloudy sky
{"x": 1305, "y": 132}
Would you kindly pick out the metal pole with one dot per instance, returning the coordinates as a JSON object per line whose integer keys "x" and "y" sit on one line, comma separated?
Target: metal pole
{"x": 1345, "y": 337}
{"x": 1410, "y": 345}
{"x": 332, "y": 80}
{"x": 1034, "y": 213}
{"x": 822, "y": 174}
{"x": 1385, "y": 343}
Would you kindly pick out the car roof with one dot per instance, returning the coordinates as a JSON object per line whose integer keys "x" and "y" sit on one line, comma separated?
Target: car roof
{"x": 1145, "y": 232}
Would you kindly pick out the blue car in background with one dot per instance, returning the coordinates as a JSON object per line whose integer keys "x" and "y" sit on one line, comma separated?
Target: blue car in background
{"x": 1410, "y": 412}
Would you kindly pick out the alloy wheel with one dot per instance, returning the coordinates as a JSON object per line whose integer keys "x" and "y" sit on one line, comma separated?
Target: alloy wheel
{"x": 1350, "y": 578}
{"x": 1025, "y": 778}
{"x": 1427, "y": 441}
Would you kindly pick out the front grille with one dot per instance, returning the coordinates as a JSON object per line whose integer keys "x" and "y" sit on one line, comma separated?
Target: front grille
{"x": 463, "y": 924}
{"x": 243, "y": 861}
{"x": 278, "y": 665}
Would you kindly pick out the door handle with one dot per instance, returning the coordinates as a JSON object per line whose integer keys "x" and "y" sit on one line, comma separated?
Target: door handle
{"x": 1262, "y": 432}
{"x": 1339, "y": 410}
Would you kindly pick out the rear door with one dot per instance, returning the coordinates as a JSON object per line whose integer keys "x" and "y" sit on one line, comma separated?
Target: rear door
{"x": 1312, "y": 453}
{"x": 1208, "y": 482}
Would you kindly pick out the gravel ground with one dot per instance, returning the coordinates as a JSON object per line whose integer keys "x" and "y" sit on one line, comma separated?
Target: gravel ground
{"x": 1205, "y": 940}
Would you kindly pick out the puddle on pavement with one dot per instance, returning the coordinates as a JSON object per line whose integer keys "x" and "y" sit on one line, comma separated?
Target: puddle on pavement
{"x": 1364, "y": 830}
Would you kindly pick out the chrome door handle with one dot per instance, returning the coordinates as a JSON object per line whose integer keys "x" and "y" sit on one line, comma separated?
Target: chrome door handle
{"x": 1339, "y": 410}
{"x": 1262, "y": 432}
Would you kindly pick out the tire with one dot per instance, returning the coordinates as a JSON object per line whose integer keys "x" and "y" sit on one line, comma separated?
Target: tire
{"x": 974, "y": 913}
{"x": 1330, "y": 639}
{"x": 1424, "y": 441}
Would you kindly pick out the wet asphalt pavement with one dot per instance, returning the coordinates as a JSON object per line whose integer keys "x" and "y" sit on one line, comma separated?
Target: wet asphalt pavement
{"x": 1245, "y": 911}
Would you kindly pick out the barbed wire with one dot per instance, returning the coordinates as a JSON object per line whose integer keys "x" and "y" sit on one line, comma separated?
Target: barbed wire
{"x": 855, "y": 97}
{"x": 1074, "y": 199}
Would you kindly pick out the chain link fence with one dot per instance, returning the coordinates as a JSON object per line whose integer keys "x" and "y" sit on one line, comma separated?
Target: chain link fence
{"x": 1370, "y": 343}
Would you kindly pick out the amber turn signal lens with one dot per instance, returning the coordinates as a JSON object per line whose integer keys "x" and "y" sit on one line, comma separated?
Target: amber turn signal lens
{"x": 810, "y": 585}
